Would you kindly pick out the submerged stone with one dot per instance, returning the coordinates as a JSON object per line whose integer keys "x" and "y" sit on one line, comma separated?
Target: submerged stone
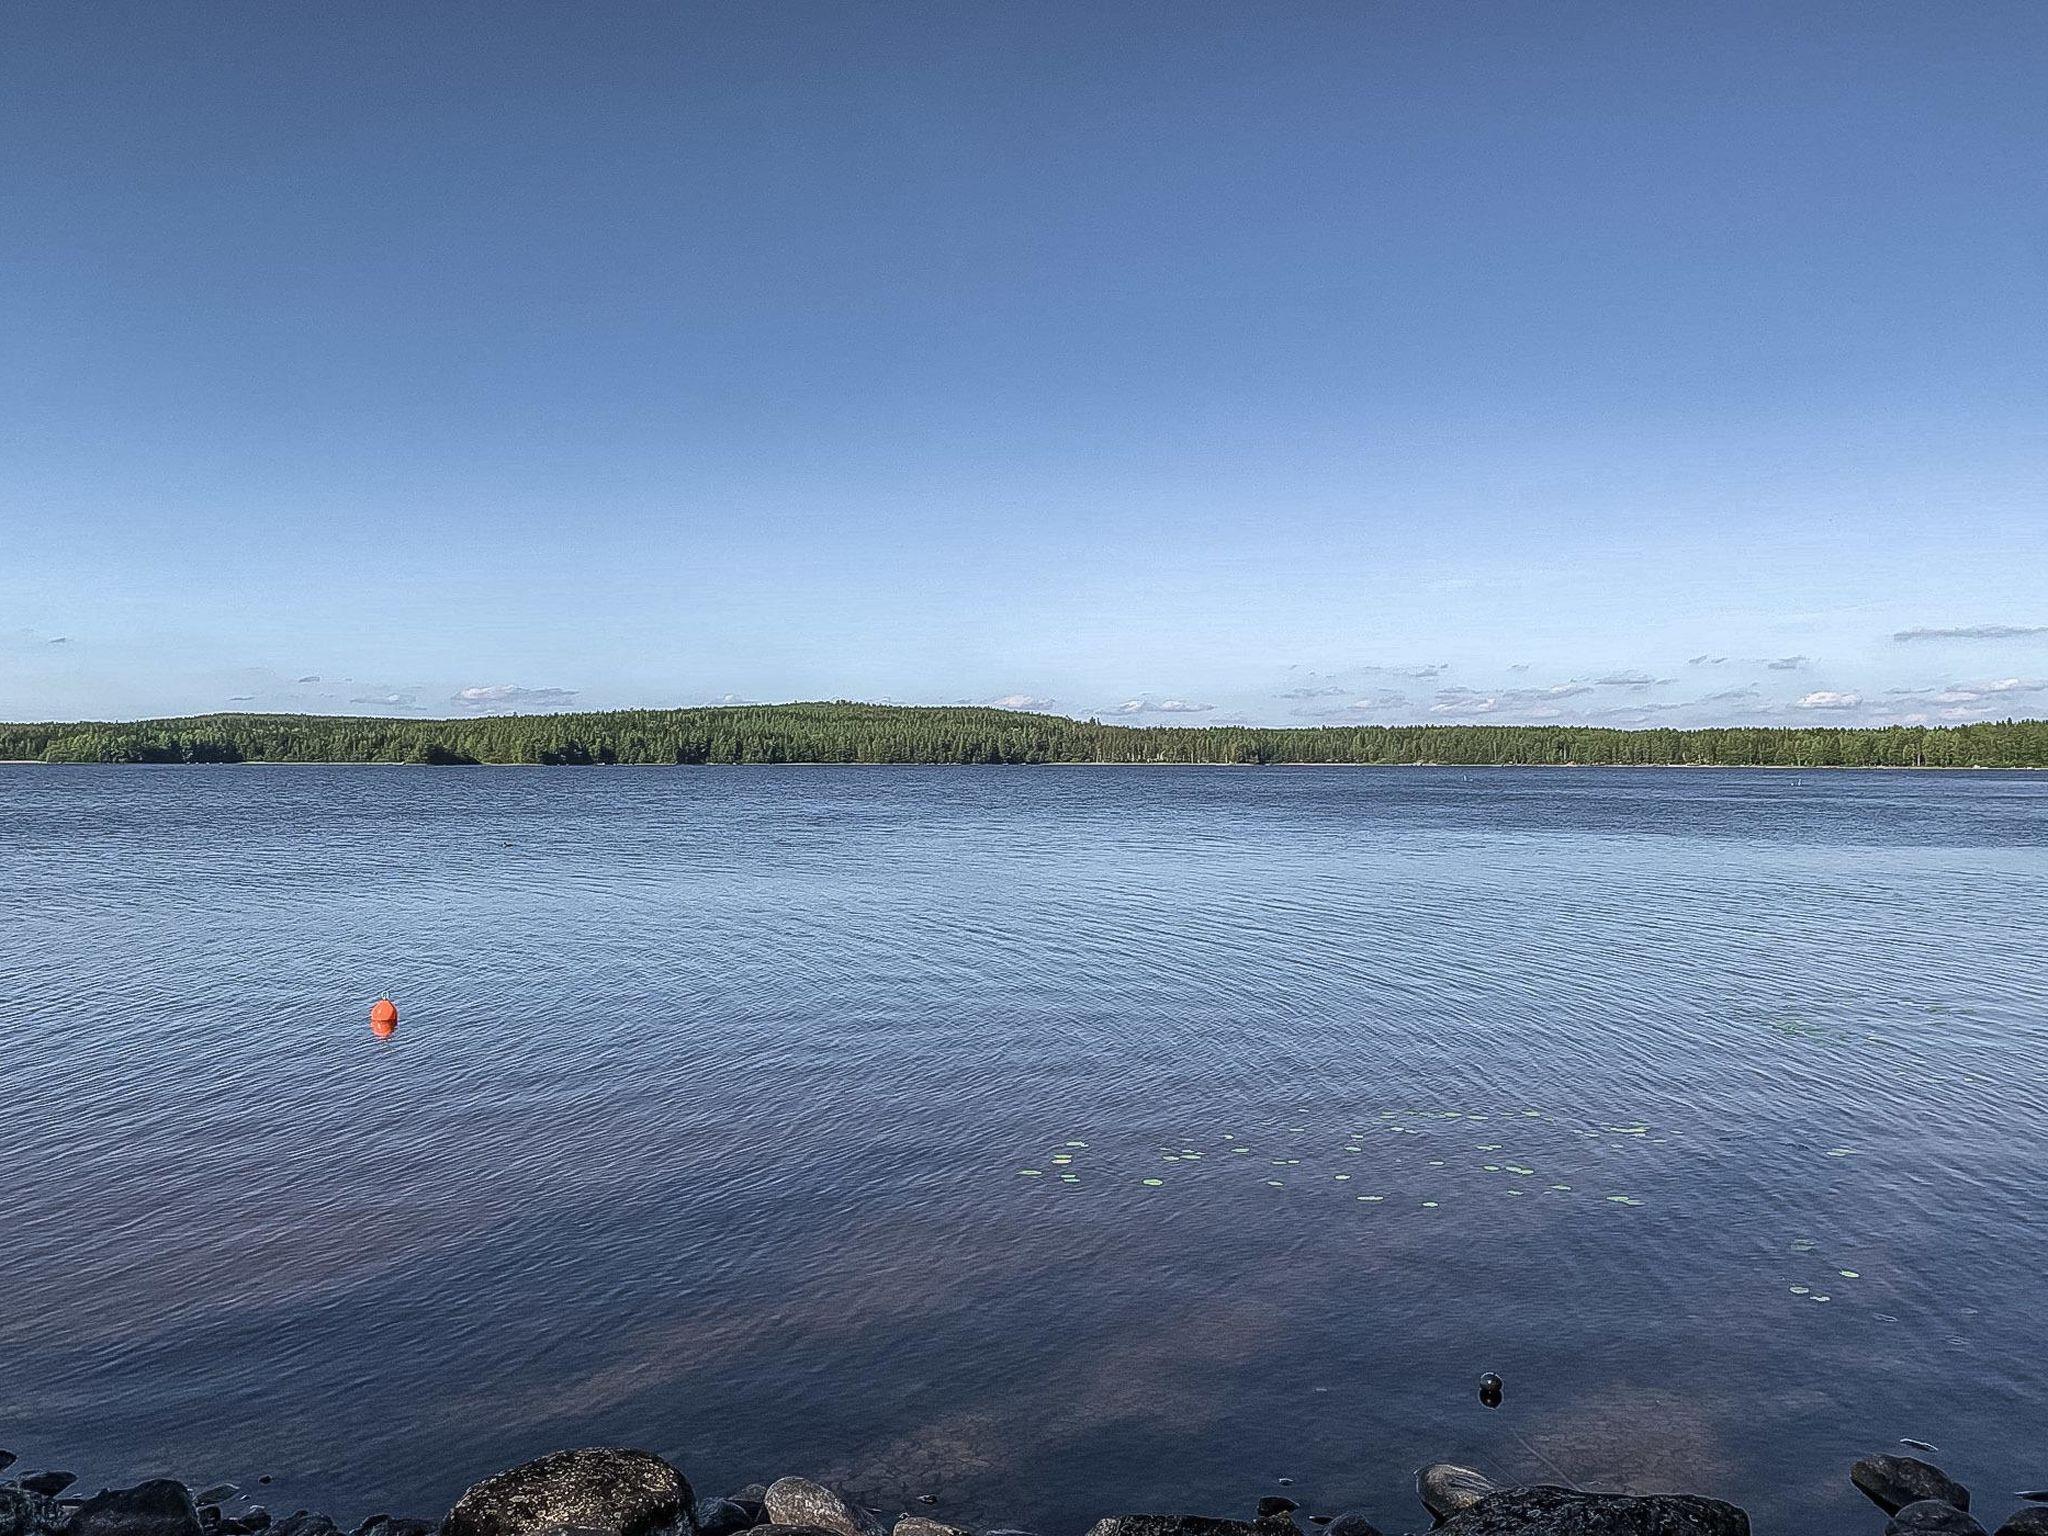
{"x": 1546, "y": 1511}
{"x": 1893, "y": 1482}
{"x": 2026, "y": 1522}
{"x": 605, "y": 1489}
{"x": 1932, "y": 1517}
{"x": 722, "y": 1517}
{"x": 1351, "y": 1523}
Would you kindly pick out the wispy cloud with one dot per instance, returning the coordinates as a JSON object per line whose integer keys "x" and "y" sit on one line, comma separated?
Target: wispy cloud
{"x": 1825, "y": 699}
{"x": 1731, "y": 696}
{"x": 392, "y": 699}
{"x": 502, "y": 698}
{"x": 1974, "y": 632}
{"x": 1629, "y": 680}
{"x": 1162, "y": 707}
{"x": 1314, "y": 693}
{"x": 1974, "y": 693}
{"x": 1472, "y": 701}
{"x": 1788, "y": 663}
{"x": 1705, "y": 661}
{"x": 309, "y": 678}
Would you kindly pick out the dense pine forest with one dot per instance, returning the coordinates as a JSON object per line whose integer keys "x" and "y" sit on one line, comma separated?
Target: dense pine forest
{"x": 876, "y": 733}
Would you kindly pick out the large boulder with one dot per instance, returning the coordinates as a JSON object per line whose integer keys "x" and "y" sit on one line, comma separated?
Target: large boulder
{"x": 159, "y": 1507}
{"x": 605, "y": 1490}
{"x": 799, "y": 1501}
{"x": 1545, "y": 1511}
{"x": 1351, "y": 1523}
{"x": 1893, "y": 1482}
{"x": 29, "y": 1514}
{"x": 2026, "y": 1522}
{"x": 304, "y": 1523}
{"x": 1447, "y": 1489}
{"x": 48, "y": 1484}
{"x": 1932, "y": 1517}
{"x": 394, "y": 1525}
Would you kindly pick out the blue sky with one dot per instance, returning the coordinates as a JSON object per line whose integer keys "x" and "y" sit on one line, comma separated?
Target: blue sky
{"x": 1288, "y": 363}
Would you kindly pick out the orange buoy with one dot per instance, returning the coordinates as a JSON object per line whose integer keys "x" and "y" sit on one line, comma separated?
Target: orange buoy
{"x": 383, "y": 1016}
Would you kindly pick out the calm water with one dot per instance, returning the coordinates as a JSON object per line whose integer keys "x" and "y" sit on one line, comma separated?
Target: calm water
{"x": 706, "y": 1125}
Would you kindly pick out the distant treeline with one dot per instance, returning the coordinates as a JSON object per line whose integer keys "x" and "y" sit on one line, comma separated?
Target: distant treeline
{"x": 877, "y": 733}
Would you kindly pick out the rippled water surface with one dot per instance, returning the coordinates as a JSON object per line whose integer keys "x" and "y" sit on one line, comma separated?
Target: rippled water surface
{"x": 1051, "y": 1141}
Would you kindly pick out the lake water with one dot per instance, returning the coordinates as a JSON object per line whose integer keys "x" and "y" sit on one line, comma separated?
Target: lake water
{"x": 707, "y": 1127}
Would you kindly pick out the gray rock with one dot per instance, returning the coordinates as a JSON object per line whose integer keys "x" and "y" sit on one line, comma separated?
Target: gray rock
{"x": 302, "y": 1523}
{"x": 1546, "y": 1511}
{"x": 2026, "y": 1522}
{"x": 48, "y": 1484}
{"x": 1932, "y": 1517}
{"x": 1447, "y": 1489}
{"x": 799, "y": 1501}
{"x": 7, "y": 1459}
{"x": 603, "y": 1489}
{"x": 1893, "y": 1482}
{"x": 219, "y": 1493}
{"x": 255, "y": 1518}
{"x": 1274, "y": 1505}
{"x": 924, "y": 1525}
{"x": 719, "y": 1517}
{"x": 23, "y": 1513}
{"x": 793, "y": 1530}
{"x": 160, "y": 1507}
{"x": 1351, "y": 1523}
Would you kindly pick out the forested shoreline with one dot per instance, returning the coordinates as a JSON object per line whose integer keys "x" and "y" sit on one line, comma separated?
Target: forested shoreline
{"x": 881, "y": 733}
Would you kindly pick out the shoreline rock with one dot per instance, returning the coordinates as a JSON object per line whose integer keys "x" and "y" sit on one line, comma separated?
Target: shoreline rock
{"x": 613, "y": 1491}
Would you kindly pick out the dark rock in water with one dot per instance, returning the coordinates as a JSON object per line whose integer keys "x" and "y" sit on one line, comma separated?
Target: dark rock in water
{"x": 1490, "y": 1390}
{"x": 1174, "y": 1525}
{"x": 303, "y": 1523}
{"x": 604, "y": 1489}
{"x": 1447, "y": 1488}
{"x": 2026, "y": 1522}
{"x": 1893, "y": 1482}
{"x": 753, "y": 1493}
{"x": 1351, "y": 1523}
{"x": 2032, "y": 1493}
{"x": 48, "y": 1484}
{"x": 219, "y": 1493}
{"x": 1932, "y": 1517}
{"x": 7, "y": 1459}
{"x": 209, "y": 1518}
{"x": 718, "y": 1517}
{"x": 923, "y": 1525}
{"x": 1009, "y": 1531}
{"x": 772, "y": 1529}
{"x": 394, "y": 1525}
{"x": 1545, "y": 1511}
{"x": 1275, "y": 1505}
{"x": 256, "y": 1518}
{"x": 23, "y": 1513}
{"x": 799, "y": 1501}
{"x": 160, "y": 1507}
{"x": 1920, "y": 1445}
{"x": 927, "y": 1498}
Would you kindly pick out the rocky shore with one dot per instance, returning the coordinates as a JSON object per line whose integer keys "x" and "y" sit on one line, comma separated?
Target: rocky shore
{"x": 607, "y": 1491}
